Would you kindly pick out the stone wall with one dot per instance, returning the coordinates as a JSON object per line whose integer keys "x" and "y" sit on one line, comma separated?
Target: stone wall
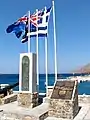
{"x": 8, "y": 99}
{"x": 62, "y": 109}
{"x": 28, "y": 99}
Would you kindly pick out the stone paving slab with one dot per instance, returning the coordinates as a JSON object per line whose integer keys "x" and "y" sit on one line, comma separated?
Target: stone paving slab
{"x": 83, "y": 112}
{"x": 53, "y": 118}
{"x": 87, "y": 116}
{"x": 14, "y": 109}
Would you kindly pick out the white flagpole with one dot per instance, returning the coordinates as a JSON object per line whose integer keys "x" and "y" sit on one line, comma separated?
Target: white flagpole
{"x": 54, "y": 41}
{"x": 28, "y": 31}
{"x": 46, "y": 64}
{"x": 37, "y": 52}
{"x": 46, "y": 58}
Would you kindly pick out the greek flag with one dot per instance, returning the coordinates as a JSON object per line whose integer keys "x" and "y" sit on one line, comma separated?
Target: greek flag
{"x": 38, "y": 24}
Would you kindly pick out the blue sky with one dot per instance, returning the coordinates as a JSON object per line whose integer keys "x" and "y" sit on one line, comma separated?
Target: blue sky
{"x": 72, "y": 31}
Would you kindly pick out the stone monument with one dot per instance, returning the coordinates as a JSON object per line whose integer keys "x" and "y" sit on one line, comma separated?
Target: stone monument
{"x": 64, "y": 100}
{"x": 28, "y": 96}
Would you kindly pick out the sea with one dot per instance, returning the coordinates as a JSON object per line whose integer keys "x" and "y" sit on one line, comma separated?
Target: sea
{"x": 83, "y": 87}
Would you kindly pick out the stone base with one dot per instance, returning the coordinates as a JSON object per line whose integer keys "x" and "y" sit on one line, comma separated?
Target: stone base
{"x": 27, "y": 99}
{"x": 63, "y": 108}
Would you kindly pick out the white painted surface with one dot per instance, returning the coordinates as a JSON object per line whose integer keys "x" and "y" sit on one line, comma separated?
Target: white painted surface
{"x": 32, "y": 72}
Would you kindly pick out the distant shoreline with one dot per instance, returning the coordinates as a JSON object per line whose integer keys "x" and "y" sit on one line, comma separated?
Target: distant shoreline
{"x": 48, "y": 73}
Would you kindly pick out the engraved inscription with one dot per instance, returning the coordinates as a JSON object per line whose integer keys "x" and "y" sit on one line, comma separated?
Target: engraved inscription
{"x": 25, "y": 73}
{"x": 63, "y": 90}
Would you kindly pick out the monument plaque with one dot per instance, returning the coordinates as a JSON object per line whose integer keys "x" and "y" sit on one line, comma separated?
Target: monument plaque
{"x": 28, "y": 95}
{"x": 25, "y": 73}
{"x": 63, "y": 90}
{"x": 64, "y": 99}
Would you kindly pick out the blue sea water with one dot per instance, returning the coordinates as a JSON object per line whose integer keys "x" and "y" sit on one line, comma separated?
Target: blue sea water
{"x": 83, "y": 88}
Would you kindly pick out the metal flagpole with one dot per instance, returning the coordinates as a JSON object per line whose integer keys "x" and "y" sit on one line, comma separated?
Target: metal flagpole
{"x": 28, "y": 31}
{"x": 54, "y": 41}
{"x": 37, "y": 51}
{"x": 46, "y": 58}
{"x": 46, "y": 64}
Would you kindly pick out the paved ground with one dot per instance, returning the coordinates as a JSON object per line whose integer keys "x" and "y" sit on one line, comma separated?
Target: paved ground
{"x": 14, "y": 108}
{"x": 84, "y": 113}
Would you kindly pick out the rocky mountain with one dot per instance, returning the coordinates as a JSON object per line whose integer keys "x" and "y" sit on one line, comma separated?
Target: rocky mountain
{"x": 83, "y": 69}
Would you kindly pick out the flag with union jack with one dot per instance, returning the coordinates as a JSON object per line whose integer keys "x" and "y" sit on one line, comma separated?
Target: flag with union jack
{"x": 37, "y": 20}
{"x": 18, "y": 26}
{"x": 38, "y": 24}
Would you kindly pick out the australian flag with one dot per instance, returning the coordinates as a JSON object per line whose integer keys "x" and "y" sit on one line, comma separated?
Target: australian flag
{"x": 38, "y": 24}
{"x": 18, "y": 27}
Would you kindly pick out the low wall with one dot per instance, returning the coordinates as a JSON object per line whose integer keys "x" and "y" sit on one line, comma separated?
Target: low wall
{"x": 84, "y": 99}
{"x": 8, "y": 99}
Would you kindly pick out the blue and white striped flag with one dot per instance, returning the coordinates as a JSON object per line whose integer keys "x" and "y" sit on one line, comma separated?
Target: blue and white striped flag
{"x": 38, "y": 21}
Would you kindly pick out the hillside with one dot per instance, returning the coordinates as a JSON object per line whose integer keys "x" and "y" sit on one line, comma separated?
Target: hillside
{"x": 84, "y": 69}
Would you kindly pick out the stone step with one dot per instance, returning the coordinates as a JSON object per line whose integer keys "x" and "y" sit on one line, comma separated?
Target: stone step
{"x": 15, "y": 112}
